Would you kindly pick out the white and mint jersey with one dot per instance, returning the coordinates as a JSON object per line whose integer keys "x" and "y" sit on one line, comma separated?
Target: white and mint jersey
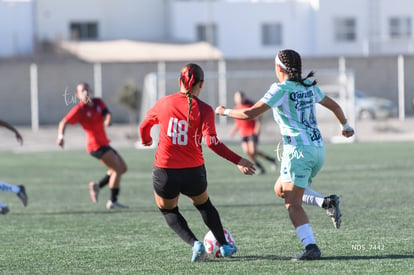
{"x": 294, "y": 111}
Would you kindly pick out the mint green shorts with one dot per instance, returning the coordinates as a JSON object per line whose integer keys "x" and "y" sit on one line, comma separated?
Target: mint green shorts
{"x": 301, "y": 163}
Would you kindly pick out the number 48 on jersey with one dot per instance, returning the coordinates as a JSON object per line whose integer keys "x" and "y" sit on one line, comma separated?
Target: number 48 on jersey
{"x": 177, "y": 130}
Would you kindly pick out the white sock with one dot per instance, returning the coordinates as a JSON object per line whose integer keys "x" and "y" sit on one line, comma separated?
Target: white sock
{"x": 305, "y": 234}
{"x": 5, "y": 187}
{"x": 2, "y": 204}
{"x": 312, "y": 197}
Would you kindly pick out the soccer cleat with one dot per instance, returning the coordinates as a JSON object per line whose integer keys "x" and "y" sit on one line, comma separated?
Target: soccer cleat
{"x": 114, "y": 204}
{"x": 4, "y": 210}
{"x": 227, "y": 250}
{"x": 331, "y": 204}
{"x": 199, "y": 252}
{"x": 22, "y": 195}
{"x": 94, "y": 191}
{"x": 310, "y": 253}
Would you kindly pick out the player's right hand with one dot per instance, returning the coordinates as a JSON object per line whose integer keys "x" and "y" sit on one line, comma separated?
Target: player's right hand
{"x": 246, "y": 167}
{"x": 60, "y": 142}
{"x": 148, "y": 143}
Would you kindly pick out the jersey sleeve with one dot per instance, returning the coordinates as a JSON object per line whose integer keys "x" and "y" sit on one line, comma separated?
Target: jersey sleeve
{"x": 208, "y": 127}
{"x": 221, "y": 149}
{"x": 273, "y": 97}
{"x": 150, "y": 120}
{"x": 212, "y": 141}
{"x": 103, "y": 106}
{"x": 73, "y": 116}
{"x": 319, "y": 95}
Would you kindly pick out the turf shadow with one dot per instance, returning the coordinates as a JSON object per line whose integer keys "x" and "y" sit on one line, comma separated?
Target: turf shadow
{"x": 337, "y": 258}
{"x": 259, "y": 258}
{"x": 89, "y": 212}
{"x": 368, "y": 257}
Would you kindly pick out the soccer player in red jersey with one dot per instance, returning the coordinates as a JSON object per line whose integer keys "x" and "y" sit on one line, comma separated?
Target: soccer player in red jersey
{"x": 249, "y": 131}
{"x": 93, "y": 115}
{"x": 184, "y": 120}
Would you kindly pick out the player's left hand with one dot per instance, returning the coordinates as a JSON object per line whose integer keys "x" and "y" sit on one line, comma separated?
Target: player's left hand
{"x": 246, "y": 167}
{"x": 347, "y": 130}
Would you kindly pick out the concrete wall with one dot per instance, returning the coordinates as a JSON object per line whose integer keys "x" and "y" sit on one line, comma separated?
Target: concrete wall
{"x": 376, "y": 76}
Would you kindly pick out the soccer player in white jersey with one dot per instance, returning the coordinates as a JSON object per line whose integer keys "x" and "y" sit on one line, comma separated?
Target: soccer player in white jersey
{"x": 19, "y": 190}
{"x": 293, "y": 102}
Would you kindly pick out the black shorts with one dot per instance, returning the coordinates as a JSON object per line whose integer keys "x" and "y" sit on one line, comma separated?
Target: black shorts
{"x": 101, "y": 151}
{"x": 253, "y": 138}
{"x": 169, "y": 183}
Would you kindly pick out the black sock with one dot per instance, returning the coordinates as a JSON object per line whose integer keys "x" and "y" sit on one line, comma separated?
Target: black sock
{"x": 177, "y": 223}
{"x": 270, "y": 159}
{"x": 104, "y": 181}
{"x": 114, "y": 194}
{"x": 212, "y": 219}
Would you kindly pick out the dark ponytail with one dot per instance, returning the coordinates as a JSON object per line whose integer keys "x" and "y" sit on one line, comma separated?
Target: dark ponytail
{"x": 293, "y": 63}
{"x": 191, "y": 75}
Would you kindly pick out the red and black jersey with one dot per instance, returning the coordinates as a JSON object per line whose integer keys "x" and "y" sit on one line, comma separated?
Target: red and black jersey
{"x": 179, "y": 144}
{"x": 246, "y": 127}
{"x": 91, "y": 118}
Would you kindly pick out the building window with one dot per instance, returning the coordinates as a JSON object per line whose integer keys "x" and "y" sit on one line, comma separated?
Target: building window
{"x": 272, "y": 34}
{"x": 84, "y": 31}
{"x": 399, "y": 27}
{"x": 207, "y": 32}
{"x": 345, "y": 29}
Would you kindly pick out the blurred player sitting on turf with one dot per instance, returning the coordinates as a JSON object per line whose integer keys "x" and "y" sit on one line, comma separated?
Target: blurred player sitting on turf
{"x": 93, "y": 115}
{"x": 19, "y": 190}
{"x": 184, "y": 120}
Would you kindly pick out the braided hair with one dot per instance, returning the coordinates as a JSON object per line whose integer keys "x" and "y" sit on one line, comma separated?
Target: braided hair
{"x": 191, "y": 75}
{"x": 293, "y": 66}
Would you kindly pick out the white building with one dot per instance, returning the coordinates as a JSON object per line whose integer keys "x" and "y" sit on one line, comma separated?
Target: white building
{"x": 16, "y": 28}
{"x": 240, "y": 29}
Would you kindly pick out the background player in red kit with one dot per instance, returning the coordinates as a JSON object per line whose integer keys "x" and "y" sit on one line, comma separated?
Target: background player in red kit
{"x": 179, "y": 164}
{"x": 249, "y": 132}
{"x": 93, "y": 114}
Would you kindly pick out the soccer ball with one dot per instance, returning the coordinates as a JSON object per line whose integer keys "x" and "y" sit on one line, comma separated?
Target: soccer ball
{"x": 211, "y": 244}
